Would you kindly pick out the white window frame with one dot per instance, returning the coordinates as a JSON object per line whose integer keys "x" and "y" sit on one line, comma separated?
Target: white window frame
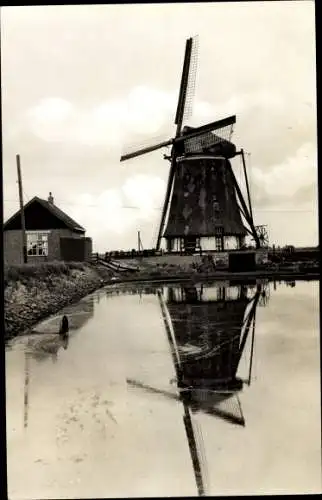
{"x": 37, "y": 243}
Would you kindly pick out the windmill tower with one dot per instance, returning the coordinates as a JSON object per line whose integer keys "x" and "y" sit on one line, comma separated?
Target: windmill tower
{"x": 204, "y": 208}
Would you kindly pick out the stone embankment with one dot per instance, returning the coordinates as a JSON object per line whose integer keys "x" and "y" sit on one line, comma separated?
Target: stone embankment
{"x": 33, "y": 293}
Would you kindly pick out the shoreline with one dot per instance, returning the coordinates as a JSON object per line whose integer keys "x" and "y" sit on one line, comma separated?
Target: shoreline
{"x": 219, "y": 276}
{"x": 45, "y": 290}
{"x": 34, "y": 293}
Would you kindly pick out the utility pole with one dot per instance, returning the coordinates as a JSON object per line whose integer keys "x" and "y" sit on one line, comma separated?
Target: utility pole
{"x": 140, "y": 247}
{"x": 23, "y": 227}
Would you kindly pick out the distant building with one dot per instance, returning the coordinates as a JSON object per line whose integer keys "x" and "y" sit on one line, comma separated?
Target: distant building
{"x": 51, "y": 235}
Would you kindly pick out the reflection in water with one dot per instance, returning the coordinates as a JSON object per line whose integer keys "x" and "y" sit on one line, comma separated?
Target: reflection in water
{"x": 26, "y": 390}
{"x": 65, "y": 341}
{"x": 41, "y": 349}
{"x": 130, "y": 289}
{"x": 69, "y": 445}
{"x": 207, "y": 327}
{"x": 50, "y": 342}
{"x": 64, "y": 332}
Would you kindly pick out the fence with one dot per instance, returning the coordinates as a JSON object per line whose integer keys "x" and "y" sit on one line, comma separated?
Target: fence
{"x": 112, "y": 265}
{"x": 291, "y": 254}
{"x": 126, "y": 254}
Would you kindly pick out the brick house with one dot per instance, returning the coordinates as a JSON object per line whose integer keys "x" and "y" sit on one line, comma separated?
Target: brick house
{"x": 51, "y": 235}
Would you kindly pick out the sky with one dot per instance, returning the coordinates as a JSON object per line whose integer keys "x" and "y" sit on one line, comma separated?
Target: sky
{"x": 82, "y": 83}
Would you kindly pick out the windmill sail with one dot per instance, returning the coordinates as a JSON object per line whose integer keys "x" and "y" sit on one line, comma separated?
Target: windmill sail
{"x": 204, "y": 143}
{"x": 196, "y": 456}
{"x": 183, "y": 86}
{"x": 191, "y": 83}
{"x": 167, "y": 198}
{"x": 195, "y": 446}
{"x": 132, "y": 153}
{"x": 184, "y": 107}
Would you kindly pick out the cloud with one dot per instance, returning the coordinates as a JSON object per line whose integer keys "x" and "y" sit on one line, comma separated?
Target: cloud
{"x": 118, "y": 211}
{"x": 50, "y": 119}
{"x": 144, "y": 192}
{"x": 283, "y": 181}
{"x": 306, "y": 194}
{"x": 143, "y": 112}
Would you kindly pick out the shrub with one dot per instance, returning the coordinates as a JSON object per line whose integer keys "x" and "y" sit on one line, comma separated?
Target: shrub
{"x": 11, "y": 274}
{"x": 155, "y": 274}
{"x": 77, "y": 265}
{"x": 41, "y": 270}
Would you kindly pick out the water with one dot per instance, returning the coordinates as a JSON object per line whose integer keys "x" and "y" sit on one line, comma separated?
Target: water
{"x": 157, "y": 394}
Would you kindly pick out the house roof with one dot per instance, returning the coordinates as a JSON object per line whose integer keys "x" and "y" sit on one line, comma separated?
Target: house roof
{"x": 53, "y": 209}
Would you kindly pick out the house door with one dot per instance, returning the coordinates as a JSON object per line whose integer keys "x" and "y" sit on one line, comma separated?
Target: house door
{"x": 190, "y": 244}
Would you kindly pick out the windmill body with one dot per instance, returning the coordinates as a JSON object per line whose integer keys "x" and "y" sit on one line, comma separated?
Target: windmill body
{"x": 204, "y": 208}
{"x": 203, "y": 212}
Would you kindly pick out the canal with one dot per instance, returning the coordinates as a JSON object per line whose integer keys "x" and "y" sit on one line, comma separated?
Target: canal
{"x": 179, "y": 390}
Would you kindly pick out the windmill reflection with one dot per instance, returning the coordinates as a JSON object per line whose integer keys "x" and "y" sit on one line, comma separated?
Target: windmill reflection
{"x": 207, "y": 327}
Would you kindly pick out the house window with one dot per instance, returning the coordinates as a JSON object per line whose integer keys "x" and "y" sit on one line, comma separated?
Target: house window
{"x": 37, "y": 244}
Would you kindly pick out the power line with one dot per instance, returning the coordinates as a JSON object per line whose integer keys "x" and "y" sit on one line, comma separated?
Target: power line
{"x": 25, "y": 195}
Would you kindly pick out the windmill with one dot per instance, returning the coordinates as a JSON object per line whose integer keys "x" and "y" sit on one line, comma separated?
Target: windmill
{"x": 207, "y": 380}
{"x": 203, "y": 199}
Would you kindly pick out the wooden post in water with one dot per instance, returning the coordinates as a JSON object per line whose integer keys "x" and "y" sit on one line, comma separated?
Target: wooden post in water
{"x": 23, "y": 227}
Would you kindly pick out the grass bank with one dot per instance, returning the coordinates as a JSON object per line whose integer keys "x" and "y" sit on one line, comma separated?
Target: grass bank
{"x": 34, "y": 292}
